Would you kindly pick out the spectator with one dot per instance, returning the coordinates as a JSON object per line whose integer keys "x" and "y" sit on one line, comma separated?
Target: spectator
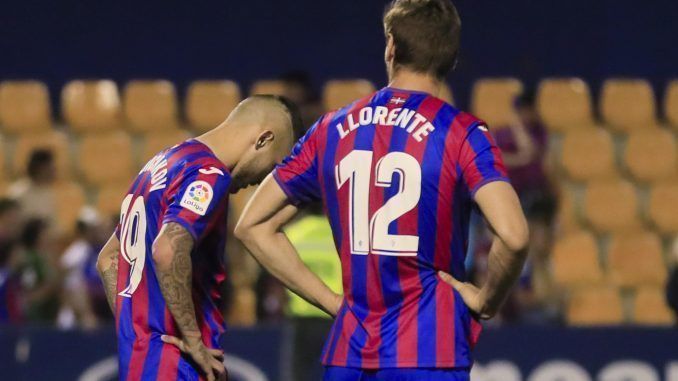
{"x": 39, "y": 280}
{"x": 10, "y": 221}
{"x": 10, "y": 307}
{"x": 34, "y": 193}
{"x": 672, "y": 285}
{"x": 83, "y": 294}
{"x": 299, "y": 90}
{"x": 524, "y": 145}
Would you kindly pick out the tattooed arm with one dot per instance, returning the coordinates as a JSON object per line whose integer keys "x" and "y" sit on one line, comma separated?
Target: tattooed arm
{"x": 107, "y": 266}
{"x": 172, "y": 258}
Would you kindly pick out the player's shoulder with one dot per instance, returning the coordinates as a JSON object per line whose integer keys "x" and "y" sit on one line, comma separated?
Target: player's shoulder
{"x": 193, "y": 156}
{"x": 464, "y": 122}
{"x": 334, "y": 116}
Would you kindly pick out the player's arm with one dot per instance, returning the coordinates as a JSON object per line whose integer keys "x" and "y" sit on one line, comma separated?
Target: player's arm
{"x": 501, "y": 208}
{"x": 172, "y": 258}
{"x": 107, "y": 266}
{"x": 260, "y": 229}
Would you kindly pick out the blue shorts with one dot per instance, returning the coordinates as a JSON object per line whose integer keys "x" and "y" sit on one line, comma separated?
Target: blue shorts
{"x": 335, "y": 373}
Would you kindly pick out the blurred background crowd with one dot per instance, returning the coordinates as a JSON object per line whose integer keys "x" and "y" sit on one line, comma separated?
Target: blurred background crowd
{"x": 599, "y": 194}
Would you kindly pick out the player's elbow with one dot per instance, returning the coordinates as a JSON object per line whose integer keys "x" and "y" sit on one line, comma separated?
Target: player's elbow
{"x": 162, "y": 252}
{"x": 243, "y": 231}
{"x": 516, "y": 236}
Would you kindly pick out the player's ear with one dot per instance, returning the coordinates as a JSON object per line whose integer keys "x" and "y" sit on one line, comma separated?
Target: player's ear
{"x": 390, "y": 48}
{"x": 263, "y": 139}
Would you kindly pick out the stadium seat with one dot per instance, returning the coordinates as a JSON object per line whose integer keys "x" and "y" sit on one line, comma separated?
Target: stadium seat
{"x": 663, "y": 207}
{"x": 671, "y": 103}
{"x": 566, "y": 217}
{"x": 91, "y": 106}
{"x": 628, "y": 104}
{"x": 649, "y": 307}
{"x": 106, "y": 158}
{"x": 635, "y": 259}
{"x": 588, "y": 154}
{"x": 595, "y": 306}
{"x": 339, "y": 93}
{"x": 151, "y": 106}
{"x": 208, "y": 103}
{"x": 565, "y": 104}
{"x": 611, "y": 206}
{"x": 70, "y": 198}
{"x": 492, "y": 100}
{"x": 55, "y": 141}
{"x": 24, "y": 107}
{"x": 109, "y": 199}
{"x": 575, "y": 260}
{"x": 651, "y": 155}
{"x": 156, "y": 142}
{"x": 273, "y": 87}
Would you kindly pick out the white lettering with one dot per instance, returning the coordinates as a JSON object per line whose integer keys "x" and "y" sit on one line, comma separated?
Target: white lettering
{"x": 559, "y": 370}
{"x": 628, "y": 371}
{"x": 496, "y": 371}
{"x": 380, "y": 113}
{"x": 423, "y": 130}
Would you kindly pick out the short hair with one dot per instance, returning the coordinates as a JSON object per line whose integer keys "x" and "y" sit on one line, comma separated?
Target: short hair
{"x": 39, "y": 158}
{"x": 425, "y": 34}
{"x": 33, "y": 229}
{"x": 292, "y": 110}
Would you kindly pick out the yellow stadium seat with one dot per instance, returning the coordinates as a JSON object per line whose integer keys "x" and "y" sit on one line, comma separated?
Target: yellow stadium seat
{"x": 650, "y": 308}
{"x": 635, "y": 259}
{"x": 151, "y": 105}
{"x": 567, "y": 220}
{"x": 671, "y": 103}
{"x": 91, "y": 106}
{"x": 106, "y": 158}
{"x": 70, "y": 198}
{"x": 272, "y": 87}
{"x": 663, "y": 207}
{"x": 565, "y": 103}
{"x": 493, "y": 100}
{"x": 575, "y": 260}
{"x": 651, "y": 155}
{"x": 611, "y": 205}
{"x": 55, "y": 141}
{"x": 588, "y": 154}
{"x": 24, "y": 107}
{"x": 628, "y": 104}
{"x": 109, "y": 199}
{"x": 156, "y": 142}
{"x": 595, "y": 306}
{"x": 208, "y": 103}
{"x": 340, "y": 93}
{"x": 446, "y": 94}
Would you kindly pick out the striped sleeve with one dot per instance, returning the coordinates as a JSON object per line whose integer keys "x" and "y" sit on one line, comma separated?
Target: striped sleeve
{"x": 480, "y": 158}
{"x": 298, "y": 173}
{"x": 195, "y": 198}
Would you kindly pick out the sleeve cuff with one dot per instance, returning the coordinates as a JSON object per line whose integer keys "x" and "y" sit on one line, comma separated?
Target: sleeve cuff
{"x": 185, "y": 224}
{"x": 295, "y": 201}
{"x": 486, "y": 181}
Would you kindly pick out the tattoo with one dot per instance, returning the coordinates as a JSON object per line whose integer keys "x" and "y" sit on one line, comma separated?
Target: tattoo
{"x": 110, "y": 278}
{"x": 176, "y": 279}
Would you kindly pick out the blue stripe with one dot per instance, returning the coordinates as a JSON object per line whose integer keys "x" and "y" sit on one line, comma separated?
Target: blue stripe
{"x": 337, "y": 329}
{"x": 152, "y": 361}
{"x": 427, "y": 217}
{"x": 460, "y": 226}
{"x": 126, "y": 336}
{"x": 390, "y": 280}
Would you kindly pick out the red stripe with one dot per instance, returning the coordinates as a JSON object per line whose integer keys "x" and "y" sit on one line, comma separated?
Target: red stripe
{"x": 344, "y": 147}
{"x": 445, "y": 340}
{"x": 169, "y": 363}
{"x": 141, "y": 330}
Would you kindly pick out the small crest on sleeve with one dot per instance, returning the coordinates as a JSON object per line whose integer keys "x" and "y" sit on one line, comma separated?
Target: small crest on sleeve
{"x": 197, "y": 197}
{"x": 483, "y": 128}
{"x": 211, "y": 171}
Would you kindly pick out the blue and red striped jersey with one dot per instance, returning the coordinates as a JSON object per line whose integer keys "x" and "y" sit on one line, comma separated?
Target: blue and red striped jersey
{"x": 396, "y": 172}
{"x": 188, "y": 185}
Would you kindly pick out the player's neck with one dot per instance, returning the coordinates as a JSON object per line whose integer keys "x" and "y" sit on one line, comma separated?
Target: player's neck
{"x": 230, "y": 157}
{"x": 409, "y": 80}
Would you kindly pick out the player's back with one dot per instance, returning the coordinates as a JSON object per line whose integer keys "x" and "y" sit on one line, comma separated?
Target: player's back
{"x": 396, "y": 172}
{"x": 184, "y": 184}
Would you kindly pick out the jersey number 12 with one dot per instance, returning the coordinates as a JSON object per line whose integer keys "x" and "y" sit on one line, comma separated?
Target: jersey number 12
{"x": 370, "y": 234}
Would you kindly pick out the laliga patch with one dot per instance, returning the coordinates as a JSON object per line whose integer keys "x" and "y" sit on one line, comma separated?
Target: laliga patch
{"x": 197, "y": 197}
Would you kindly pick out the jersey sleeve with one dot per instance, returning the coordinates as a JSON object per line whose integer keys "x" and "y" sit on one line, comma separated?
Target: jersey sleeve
{"x": 480, "y": 159}
{"x": 196, "y": 197}
{"x": 298, "y": 173}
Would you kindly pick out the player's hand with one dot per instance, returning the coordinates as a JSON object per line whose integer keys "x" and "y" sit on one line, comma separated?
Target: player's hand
{"x": 210, "y": 361}
{"x": 470, "y": 294}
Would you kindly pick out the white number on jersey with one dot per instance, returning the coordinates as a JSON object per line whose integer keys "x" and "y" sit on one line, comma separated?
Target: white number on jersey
{"x": 371, "y": 234}
{"x": 133, "y": 240}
